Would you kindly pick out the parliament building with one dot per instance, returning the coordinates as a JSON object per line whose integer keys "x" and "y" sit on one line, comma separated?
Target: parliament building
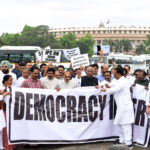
{"x": 137, "y": 35}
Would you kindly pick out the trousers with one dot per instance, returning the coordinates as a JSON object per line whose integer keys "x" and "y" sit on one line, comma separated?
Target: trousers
{"x": 125, "y": 133}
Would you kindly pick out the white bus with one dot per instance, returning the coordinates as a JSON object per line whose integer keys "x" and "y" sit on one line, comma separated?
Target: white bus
{"x": 135, "y": 62}
{"x": 119, "y": 58}
{"x": 139, "y": 63}
{"x": 146, "y": 61}
{"x": 22, "y": 54}
{"x": 15, "y": 54}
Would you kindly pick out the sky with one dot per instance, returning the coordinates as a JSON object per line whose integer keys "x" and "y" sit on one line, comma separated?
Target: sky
{"x": 15, "y": 14}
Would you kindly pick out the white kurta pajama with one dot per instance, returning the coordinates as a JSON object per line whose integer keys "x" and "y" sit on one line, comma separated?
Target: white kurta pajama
{"x": 2, "y": 124}
{"x": 125, "y": 112}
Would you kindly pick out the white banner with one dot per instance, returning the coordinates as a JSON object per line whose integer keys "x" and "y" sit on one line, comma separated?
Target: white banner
{"x": 68, "y": 53}
{"x": 77, "y": 61}
{"x": 39, "y": 55}
{"x": 142, "y": 122}
{"x": 69, "y": 116}
{"x": 50, "y": 55}
{"x": 97, "y": 49}
{"x": 79, "y": 115}
{"x": 104, "y": 48}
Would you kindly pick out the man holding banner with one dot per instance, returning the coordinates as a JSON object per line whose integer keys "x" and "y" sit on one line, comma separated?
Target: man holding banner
{"x": 32, "y": 81}
{"x": 125, "y": 112}
{"x": 89, "y": 80}
{"x": 67, "y": 83}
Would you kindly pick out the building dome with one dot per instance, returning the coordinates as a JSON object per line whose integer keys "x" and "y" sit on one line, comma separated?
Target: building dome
{"x": 101, "y": 25}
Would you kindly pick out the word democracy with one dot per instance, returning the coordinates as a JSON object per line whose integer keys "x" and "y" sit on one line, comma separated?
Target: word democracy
{"x": 40, "y": 107}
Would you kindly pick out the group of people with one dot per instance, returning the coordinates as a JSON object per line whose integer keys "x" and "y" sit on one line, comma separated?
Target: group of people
{"x": 48, "y": 76}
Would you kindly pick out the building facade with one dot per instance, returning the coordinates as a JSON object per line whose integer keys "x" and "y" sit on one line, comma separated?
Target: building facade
{"x": 137, "y": 35}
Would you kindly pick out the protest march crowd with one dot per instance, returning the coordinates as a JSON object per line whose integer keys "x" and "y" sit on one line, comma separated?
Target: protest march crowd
{"x": 117, "y": 81}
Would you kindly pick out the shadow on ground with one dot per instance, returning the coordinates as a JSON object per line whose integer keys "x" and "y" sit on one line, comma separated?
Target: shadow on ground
{"x": 91, "y": 146}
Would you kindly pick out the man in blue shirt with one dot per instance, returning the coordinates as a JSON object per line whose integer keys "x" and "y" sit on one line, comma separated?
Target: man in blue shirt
{"x": 101, "y": 76}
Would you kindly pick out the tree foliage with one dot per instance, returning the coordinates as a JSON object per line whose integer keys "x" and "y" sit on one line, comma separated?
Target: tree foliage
{"x": 140, "y": 49}
{"x": 126, "y": 45}
{"x": 147, "y": 45}
{"x": 86, "y": 44}
{"x": 147, "y": 42}
{"x": 117, "y": 46}
{"x": 68, "y": 40}
{"x": 10, "y": 39}
{"x": 123, "y": 45}
{"x": 35, "y": 36}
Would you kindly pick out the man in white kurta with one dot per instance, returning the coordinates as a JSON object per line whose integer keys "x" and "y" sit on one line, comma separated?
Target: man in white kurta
{"x": 49, "y": 81}
{"x": 130, "y": 78}
{"x": 25, "y": 75}
{"x": 108, "y": 82}
{"x": 125, "y": 112}
{"x": 67, "y": 83}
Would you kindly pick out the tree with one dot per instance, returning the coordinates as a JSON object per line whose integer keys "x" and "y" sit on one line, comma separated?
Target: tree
{"x": 140, "y": 49}
{"x": 86, "y": 44}
{"x": 10, "y": 39}
{"x": 27, "y": 30}
{"x": 147, "y": 44}
{"x": 68, "y": 40}
{"x": 1, "y": 42}
{"x": 126, "y": 45}
{"x": 117, "y": 46}
{"x": 53, "y": 42}
{"x": 37, "y": 36}
{"x": 42, "y": 30}
{"x": 29, "y": 36}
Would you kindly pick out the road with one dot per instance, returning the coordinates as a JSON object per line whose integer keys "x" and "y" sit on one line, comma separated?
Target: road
{"x": 92, "y": 146}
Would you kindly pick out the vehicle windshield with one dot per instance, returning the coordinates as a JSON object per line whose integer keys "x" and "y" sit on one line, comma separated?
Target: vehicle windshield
{"x": 15, "y": 58}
